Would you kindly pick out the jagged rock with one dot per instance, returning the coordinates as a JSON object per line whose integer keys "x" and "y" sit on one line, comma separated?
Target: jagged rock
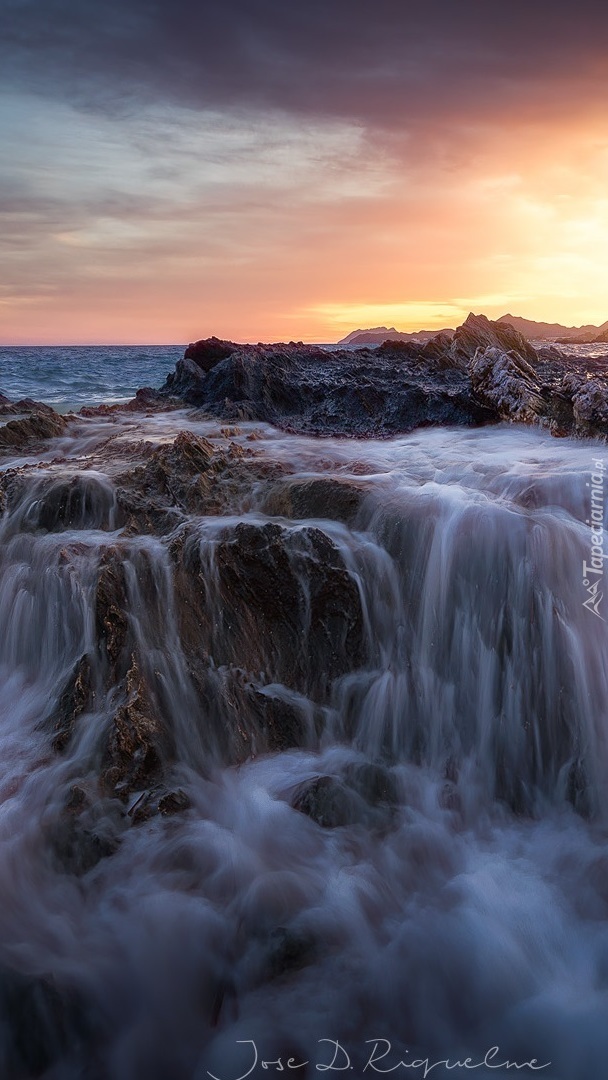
{"x": 590, "y": 405}
{"x": 188, "y": 476}
{"x": 159, "y": 801}
{"x": 138, "y": 743}
{"x": 77, "y": 697}
{"x": 146, "y": 400}
{"x": 291, "y": 588}
{"x": 305, "y": 388}
{"x": 505, "y": 381}
{"x": 478, "y": 332}
{"x": 208, "y": 352}
{"x": 273, "y": 600}
{"x": 55, "y": 503}
{"x": 40, "y": 423}
{"x": 111, "y": 607}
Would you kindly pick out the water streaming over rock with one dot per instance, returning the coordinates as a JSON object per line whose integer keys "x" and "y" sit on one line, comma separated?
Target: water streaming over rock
{"x": 313, "y": 748}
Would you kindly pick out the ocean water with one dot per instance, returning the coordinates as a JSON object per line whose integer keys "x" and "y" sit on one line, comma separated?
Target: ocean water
{"x": 68, "y": 377}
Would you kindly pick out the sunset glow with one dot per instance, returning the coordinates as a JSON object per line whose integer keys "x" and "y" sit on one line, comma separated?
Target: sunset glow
{"x": 420, "y": 178}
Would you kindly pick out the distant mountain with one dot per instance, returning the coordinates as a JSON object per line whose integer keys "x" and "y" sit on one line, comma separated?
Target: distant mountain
{"x": 378, "y": 334}
{"x": 384, "y": 330}
{"x": 540, "y": 331}
{"x": 532, "y": 330}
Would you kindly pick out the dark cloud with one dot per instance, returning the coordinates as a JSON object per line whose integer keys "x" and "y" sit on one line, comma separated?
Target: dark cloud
{"x": 387, "y": 63}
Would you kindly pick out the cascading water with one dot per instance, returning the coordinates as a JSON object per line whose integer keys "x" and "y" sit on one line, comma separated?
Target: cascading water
{"x": 378, "y": 728}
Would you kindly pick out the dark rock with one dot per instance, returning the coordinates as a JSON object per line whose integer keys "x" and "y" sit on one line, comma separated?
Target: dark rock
{"x": 375, "y": 783}
{"x": 40, "y": 423}
{"x": 86, "y": 831}
{"x": 332, "y": 499}
{"x": 366, "y": 795}
{"x": 138, "y": 743}
{"x": 328, "y": 802}
{"x": 290, "y": 607}
{"x": 208, "y": 352}
{"x": 159, "y": 801}
{"x": 111, "y": 607}
{"x": 349, "y": 392}
{"x": 76, "y": 698}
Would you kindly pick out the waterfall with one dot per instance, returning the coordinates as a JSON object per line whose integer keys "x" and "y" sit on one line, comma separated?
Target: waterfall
{"x": 322, "y": 760}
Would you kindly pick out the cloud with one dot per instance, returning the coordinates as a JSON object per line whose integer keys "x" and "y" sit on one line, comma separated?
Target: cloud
{"x": 387, "y": 63}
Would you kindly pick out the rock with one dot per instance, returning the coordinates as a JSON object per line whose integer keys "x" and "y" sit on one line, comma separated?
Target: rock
{"x": 348, "y": 392}
{"x": 590, "y": 406}
{"x": 331, "y": 499}
{"x": 478, "y": 332}
{"x": 159, "y": 801}
{"x": 40, "y": 423}
{"x": 88, "y": 830}
{"x": 290, "y": 607}
{"x": 328, "y": 802}
{"x": 506, "y": 382}
{"x": 77, "y": 697}
{"x": 138, "y": 743}
{"x": 366, "y": 795}
{"x": 209, "y": 352}
{"x": 111, "y": 610}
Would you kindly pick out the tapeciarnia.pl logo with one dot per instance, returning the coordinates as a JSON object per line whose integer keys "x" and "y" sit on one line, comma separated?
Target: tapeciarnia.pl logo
{"x": 593, "y": 571}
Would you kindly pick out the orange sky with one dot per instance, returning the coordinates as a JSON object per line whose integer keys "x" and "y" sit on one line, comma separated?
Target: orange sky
{"x": 166, "y": 222}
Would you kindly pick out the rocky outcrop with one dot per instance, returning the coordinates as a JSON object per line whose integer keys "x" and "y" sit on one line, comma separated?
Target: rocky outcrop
{"x": 303, "y": 388}
{"x": 289, "y": 608}
{"x": 32, "y": 424}
{"x": 478, "y": 332}
{"x": 485, "y": 372}
{"x": 506, "y": 382}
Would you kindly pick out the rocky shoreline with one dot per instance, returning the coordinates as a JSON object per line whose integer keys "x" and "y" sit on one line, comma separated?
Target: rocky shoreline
{"x": 486, "y": 373}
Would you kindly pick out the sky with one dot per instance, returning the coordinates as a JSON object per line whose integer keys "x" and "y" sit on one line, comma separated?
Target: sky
{"x": 280, "y": 169}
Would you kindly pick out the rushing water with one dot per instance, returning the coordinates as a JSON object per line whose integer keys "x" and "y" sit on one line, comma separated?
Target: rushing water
{"x": 471, "y": 912}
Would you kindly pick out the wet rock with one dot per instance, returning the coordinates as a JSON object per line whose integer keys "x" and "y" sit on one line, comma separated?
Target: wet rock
{"x": 76, "y": 698}
{"x": 375, "y": 783}
{"x": 55, "y": 503}
{"x": 159, "y": 801}
{"x": 290, "y": 951}
{"x": 334, "y": 500}
{"x": 366, "y": 794}
{"x": 329, "y": 803}
{"x": 188, "y": 476}
{"x": 138, "y": 743}
{"x": 289, "y": 607}
{"x": 87, "y": 830}
{"x": 111, "y": 607}
{"x": 26, "y": 431}
{"x": 590, "y": 407}
{"x": 146, "y": 400}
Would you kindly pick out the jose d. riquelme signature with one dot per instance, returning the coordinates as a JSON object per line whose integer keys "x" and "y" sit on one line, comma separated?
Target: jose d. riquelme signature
{"x": 380, "y": 1059}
